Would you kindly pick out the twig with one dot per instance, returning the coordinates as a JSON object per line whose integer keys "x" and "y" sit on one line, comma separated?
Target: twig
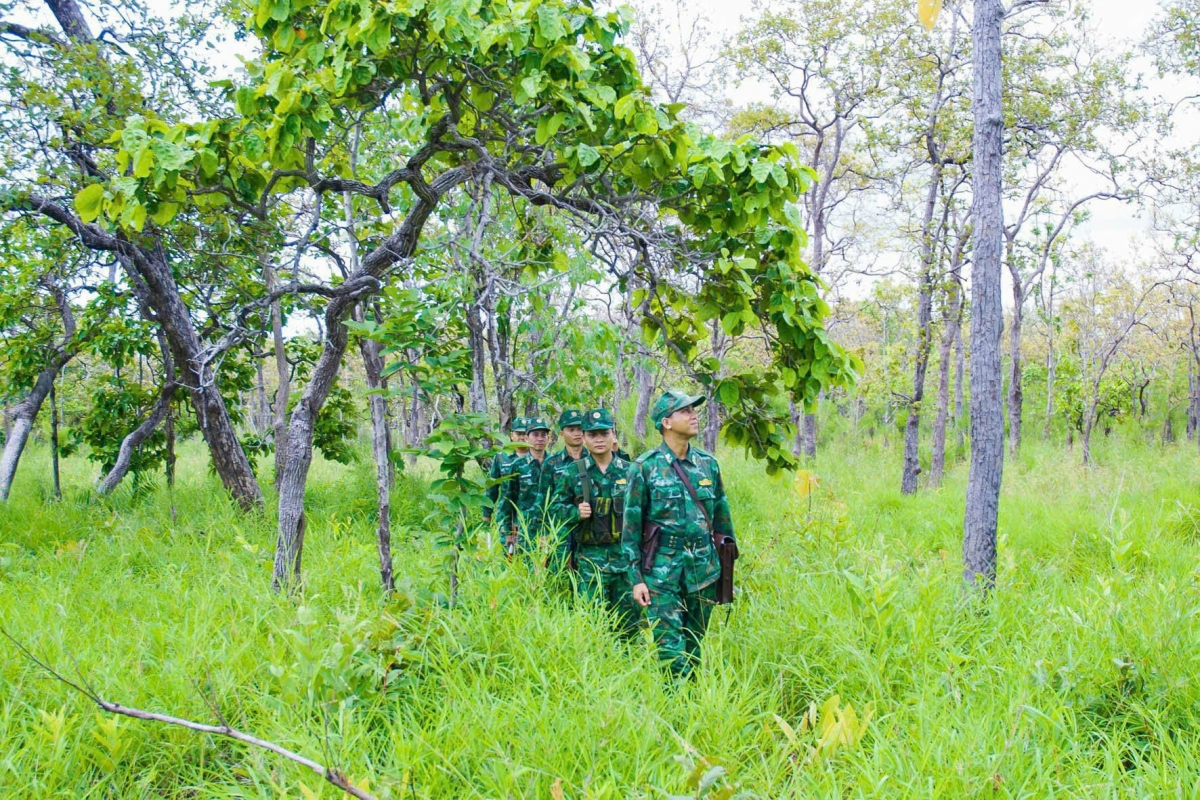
{"x": 331, "y": 775}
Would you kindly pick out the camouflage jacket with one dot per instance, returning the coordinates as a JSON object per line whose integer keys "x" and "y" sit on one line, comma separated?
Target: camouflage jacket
{"x": 656, "y": 494}
{"x": 501, "y": 468}
{"x": 550, "y": 468}
{"x": 524, "y": 500}
{"x": 598, "y": 538}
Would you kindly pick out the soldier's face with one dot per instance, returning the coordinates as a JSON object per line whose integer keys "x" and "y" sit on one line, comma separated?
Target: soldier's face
{"x": 685, "y": 421}
{"x": 599, "y": 442}
{"x": 537, "y": 440}
{"x": 517, "y": 437}
{"x": 573, "y": 435}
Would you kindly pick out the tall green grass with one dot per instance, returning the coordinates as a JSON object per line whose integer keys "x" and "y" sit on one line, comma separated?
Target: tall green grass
{"x": 1079, "y": 677}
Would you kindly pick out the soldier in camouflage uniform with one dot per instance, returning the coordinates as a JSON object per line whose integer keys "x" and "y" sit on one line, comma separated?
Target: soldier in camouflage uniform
{"x": 593, "y": 518}
{"x": 569, "y": 423}
{"x": 502, "y": 467}
{"x": 679, "y": 590}
{"x": 522, "y": 511}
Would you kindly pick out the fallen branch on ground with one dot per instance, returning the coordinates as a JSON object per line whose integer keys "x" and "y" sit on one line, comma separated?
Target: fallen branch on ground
{"x": 331, "y": 775}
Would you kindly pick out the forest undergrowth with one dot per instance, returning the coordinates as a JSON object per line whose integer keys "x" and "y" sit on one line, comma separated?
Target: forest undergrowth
{"x": 852, "y": 663}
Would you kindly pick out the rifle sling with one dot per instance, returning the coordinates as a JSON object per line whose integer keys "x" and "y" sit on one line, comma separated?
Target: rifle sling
{"x": 687, "y": 484}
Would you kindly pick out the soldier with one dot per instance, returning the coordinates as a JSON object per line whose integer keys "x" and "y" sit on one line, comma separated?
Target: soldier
{"x": 501, "y": 466}
{"x": 569, "y": 423}
{"x": 678, "y": 585}
{"x": 589, "y": 499}
{"x": 521, "y": 512}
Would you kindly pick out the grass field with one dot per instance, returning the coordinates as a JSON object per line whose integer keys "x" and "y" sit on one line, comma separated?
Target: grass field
{"x": 1079, "y": 677}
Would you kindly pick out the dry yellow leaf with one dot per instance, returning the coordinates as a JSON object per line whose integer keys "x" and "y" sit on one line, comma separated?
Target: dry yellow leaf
{"x": 805, "y": 483}
{"x": 556, "y": 790}
{"x": 927, "y": 12}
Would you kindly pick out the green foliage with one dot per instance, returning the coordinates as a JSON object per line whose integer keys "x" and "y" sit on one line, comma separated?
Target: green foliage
{"x": 117, "y": 406}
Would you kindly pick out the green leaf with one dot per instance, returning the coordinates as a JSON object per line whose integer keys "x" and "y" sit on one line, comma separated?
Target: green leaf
{"x": 550, "y": 22}
{"x": 89, "y": 201}
{"x": 779, "y": 175}
{"x": 587, "y": 155}
{"x": 728, "y": 392}
{"x": 761, "y": 171}
{"x": 548, "y": 126}
{"x": 624, "y": 107}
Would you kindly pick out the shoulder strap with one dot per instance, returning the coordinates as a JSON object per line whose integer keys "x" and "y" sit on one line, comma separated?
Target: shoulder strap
{"x": 585, "y": 480}
{"x": 687, "y": 484}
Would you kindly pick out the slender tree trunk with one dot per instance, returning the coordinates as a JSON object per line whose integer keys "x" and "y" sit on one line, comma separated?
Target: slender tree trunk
{"x": 373, "y": 362}
{"x": 912, "y": 426}
{"x": 160, "y": 411}
{"x": 283, "y": 390}
{"x": 960, "y": 368}
{"x": 937, "y": 464}
{"x": 1015, "y": 393}
{"x": 1089, "y": 424}
{"x": 22, "y": 416}
{"x": 169, "y": 427}
{"x": 808, "y": 435}
{"x": 54, "y": 442}
{"x": 262, "y": 416}
{"x": 645, "y": 389}
{"x": 987, "y": 315}
{"x": 134, "y": 439}
{"x": 477, "y": 392}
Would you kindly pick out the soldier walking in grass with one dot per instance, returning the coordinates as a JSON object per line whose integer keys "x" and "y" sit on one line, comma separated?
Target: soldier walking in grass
{"x": 589, "y": 501}
{"x": 569, "y": 422}
{"x": 674, "y": 505}
{"x": 522, "y": 511}
{"x": 502, "y": 468}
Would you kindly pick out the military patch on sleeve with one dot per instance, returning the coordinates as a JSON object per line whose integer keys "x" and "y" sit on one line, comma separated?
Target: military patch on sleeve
{"x": 705, "y": 482}
{"x": 620, "y": 480}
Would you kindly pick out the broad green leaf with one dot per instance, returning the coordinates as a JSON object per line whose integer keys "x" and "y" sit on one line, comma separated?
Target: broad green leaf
{"x": 587, "y": 155}
{"x": 89, "y": 201}
{"x": 550, "y": 22}
{"x": 761, "y": 171}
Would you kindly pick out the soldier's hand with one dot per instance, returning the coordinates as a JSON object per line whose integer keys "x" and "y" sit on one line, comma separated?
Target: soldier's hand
{"x": 641, "y": 593}
{"x": 585, "y": 510}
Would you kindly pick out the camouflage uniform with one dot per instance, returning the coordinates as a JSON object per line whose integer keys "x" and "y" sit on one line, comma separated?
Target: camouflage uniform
{"x": 501, "y": 469}
{"x": 601, "y": 565}
{"x": 682, "y": 581}
{"x": 525, "y": 502}
{"x": 553, "y": 465}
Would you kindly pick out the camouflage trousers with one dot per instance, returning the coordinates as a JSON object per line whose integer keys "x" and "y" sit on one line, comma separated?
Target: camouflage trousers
{"x": 612, "y": 589}
{"x": 678, "y": 620}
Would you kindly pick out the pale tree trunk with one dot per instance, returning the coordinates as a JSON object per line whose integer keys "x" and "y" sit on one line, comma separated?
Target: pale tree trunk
{"x": 713, "y": 407}
{"x": 1015, "y": 393}
{"x": 645, "y": 389}
{"x": 160, "y": 411}
{"x": 1089, "y": 423}
{"x": 808, "y": 435}
{"x": 372, "y": 355}
{"x": 912, "y": 425}
{"x": 262, "y": 417}
{"x": 937, "y": 463}
{"x": 987, "y": 314}
{"x": 399, "y": 246}
{"x": 22, "y": 416}
{"x": 960, "y": 368}
{"x": 283, "y": 390}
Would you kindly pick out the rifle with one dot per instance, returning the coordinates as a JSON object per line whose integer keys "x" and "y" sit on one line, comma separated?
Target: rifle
{"x": 726, "y": 547}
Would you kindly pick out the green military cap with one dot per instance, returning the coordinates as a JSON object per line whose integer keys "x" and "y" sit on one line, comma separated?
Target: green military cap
{"x": 520, "y": 425}
{"x": 672, "y": 400}
{"x": 536, "y": 424}
{"x": 598, "y": 419}
{"x": 571, "y": 416}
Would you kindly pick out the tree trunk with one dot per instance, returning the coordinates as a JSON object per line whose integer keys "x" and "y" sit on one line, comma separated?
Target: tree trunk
{"x": 22, "y": 416}
{"x": 645, "y": 390}
{"x": 373, "y": 362}
{"x": 937, "y": 464}
{"x": 154, "y": 284}
{"x": 1015, "y": 394}
{"x": 960, "y": 368}
{"x": 987, "y": 314}
{"x": 477, "y": 392}
{"x": 1089, "y": 423}
{"x": 54, "y": 442}
{"x": 135, "y": 438}
{"x": 808, "y": 435}
{"x": 262, "y": 416}
{"x": 283, "y": 391}
{"x": 912, "y": 426}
